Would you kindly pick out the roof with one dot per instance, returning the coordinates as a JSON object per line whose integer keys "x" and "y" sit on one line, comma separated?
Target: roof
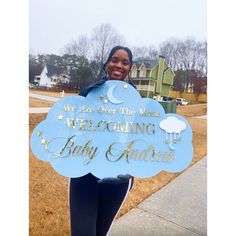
{"x": 52, "y": 70}
{"x": 148, "y": 63}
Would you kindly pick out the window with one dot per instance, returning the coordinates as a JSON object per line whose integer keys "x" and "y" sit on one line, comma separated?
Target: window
{"x": 134, "y": 73}
{"x": 151, "y": 83}
{"x": 148, "y": 73}
{"x": 142, "y": 73}
{"x": 144, "y": 82}
{"x": 136, "y": 82}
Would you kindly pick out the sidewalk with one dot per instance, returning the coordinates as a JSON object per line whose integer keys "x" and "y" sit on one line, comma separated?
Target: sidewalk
{"x": 39, "y": 109}
{"x": 178, "y": 209}
{"x": 44, "y": 97}
{"x": 200, "y": 117}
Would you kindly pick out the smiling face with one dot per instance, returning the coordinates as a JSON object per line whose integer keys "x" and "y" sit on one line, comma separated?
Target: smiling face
{"x": 119, "y": 65}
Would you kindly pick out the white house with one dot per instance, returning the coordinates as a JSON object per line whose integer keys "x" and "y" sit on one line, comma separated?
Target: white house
{"x": 50, "y": 76}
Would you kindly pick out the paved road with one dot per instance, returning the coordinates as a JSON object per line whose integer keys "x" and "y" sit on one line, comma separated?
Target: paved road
{"x": 39, "y": 109}
{"x": 201, "y": 117}
{"x": 44, "y": 97}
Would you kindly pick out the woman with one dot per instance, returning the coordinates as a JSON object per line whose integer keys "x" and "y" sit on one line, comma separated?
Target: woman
{"x": 94, "y": 203}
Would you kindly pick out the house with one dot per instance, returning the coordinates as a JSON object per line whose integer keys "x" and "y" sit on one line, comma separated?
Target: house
{"x": 152, "y": 78}
{"x": 50, "y": 76}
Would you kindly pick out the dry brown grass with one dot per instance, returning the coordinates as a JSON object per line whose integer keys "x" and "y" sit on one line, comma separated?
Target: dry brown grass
{"x": 49, "y": 212}
{"x": 192, "y": 110}
{"x": 50, "y": 93}
{"x": 35, "y": 102}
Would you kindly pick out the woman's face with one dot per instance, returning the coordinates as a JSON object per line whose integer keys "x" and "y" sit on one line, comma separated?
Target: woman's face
{"x": 119, "y": 65}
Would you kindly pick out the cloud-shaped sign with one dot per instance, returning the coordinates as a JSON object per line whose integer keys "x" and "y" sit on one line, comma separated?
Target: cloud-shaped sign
{"x": 112, "y": 131}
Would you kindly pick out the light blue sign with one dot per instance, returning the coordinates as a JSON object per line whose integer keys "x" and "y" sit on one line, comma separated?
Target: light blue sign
{"x": 112, "y": 131}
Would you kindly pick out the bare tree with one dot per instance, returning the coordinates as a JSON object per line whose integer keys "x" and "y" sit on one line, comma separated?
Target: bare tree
{"x": 192, "y": 57}
{"x": 135, "y": 52}
{"x": 145, "y": 53}
{"x": 168, "y": 49}
{"x": 80, "y": 47}
{"x": 202, "y": 57}
{"x": 139, "y": 53}
{"x": 152, "y": 52}
{"x": 104, "y": 37}
{"x": 187, "y": 55}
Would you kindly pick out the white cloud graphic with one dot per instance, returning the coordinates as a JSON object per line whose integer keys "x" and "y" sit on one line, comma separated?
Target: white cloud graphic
{"x": 172, "y": 125}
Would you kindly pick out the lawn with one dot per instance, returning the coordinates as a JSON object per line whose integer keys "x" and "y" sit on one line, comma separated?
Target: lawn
{"x": 50, "y": 93}
{"x": 48, "y": 191}
{"x": 35, "y": 102}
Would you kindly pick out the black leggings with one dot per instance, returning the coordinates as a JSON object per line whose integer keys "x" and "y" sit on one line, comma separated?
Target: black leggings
{"x": 93, "y": 206}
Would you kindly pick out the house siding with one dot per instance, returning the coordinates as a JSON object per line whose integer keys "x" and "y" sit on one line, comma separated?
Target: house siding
{"x": 44, "y": 81}
{"x": 165, "y": 90}
{"x": 168, "y": 77}
{"x": 157, "y": 80}
{"x": 160, "y": 75}
{"x": 154, "y": 72}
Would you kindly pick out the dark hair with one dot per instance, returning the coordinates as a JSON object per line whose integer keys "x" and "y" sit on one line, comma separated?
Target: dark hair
{"x": 113, "y": 50}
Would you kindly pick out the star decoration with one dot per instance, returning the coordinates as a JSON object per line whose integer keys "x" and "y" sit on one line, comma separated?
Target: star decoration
{"x": 39, "y": 133}
{"x": 105, "y": 101}
{"x": 43, "y": 141}
{"x": 126, "y": 86}
{"x": 101, "y": 97}
{"x": 60, "y": 117}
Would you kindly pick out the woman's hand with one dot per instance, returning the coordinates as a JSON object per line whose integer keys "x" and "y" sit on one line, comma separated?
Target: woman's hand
{"x": 112, "y": 180}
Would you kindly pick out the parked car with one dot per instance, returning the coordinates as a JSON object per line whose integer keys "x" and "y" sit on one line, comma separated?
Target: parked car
{"x": 166, "y": 98}
{"x": 181, "y": 101}
{"x": 32, "y": 85}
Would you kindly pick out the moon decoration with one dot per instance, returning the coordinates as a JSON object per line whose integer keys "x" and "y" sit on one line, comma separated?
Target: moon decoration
{"x": 111, "y": 97}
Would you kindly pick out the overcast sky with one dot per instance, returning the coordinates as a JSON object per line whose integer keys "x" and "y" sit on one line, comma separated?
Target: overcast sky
{"x": 54, "y": 23}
